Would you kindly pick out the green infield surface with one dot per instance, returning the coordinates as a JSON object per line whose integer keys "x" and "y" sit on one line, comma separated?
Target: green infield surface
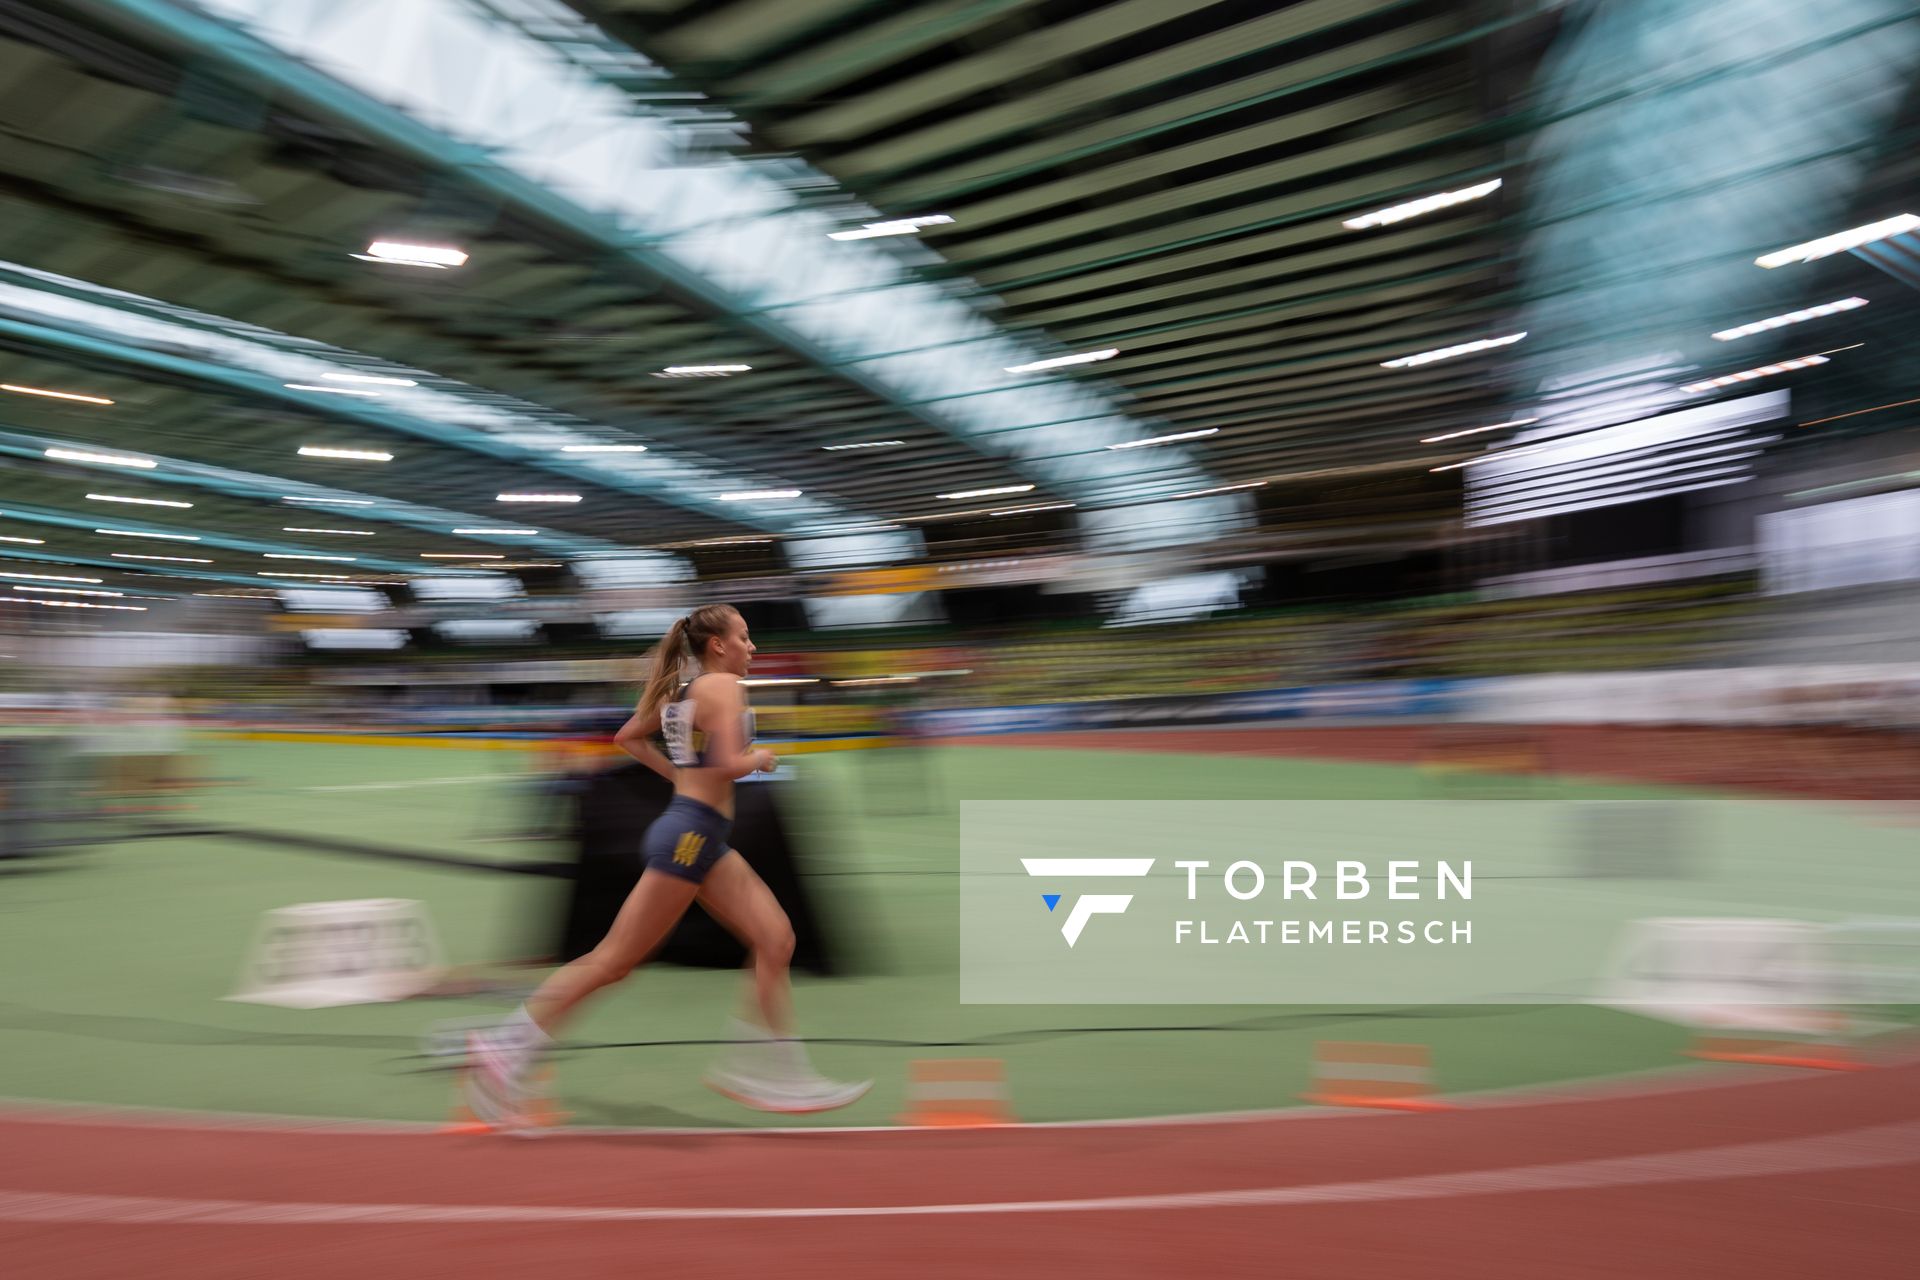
{"x": 118, "y": 956}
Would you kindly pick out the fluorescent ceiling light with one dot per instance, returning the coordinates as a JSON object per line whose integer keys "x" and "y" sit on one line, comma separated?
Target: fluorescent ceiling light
{"x": 128, "y": 555}
{"x": 864, "y": 444}
{"x": 53, "y": 395}
{"x": 1060, "y": 362}
{"x": 73, "y": 604}
{"x": 1043, "y": 506}
{"x": 414, "y": 255}
{"x": 1448, "y": 353}
{"x": 370, "y": 378}
{"x": 892, "y": 227}
{"x": 333, "y": 580}
{"x": 135, "y": 533}
{"x": 396, "y": 262}
{"x": 603, "y": 448}
{"x": 104, "y": 459}
{"x": 1488, "y": 457}
{"x": 1474, "y": 431}
{"x": 356, "y": 455}
{"x": 538, "y": 497}
{"x": 512, "y": 533}
{"x": 345, "y": 533}
{"x": 759, "y": 495}
{"x": 1839, "y": 242}
{"x": 322, "y": 577}
{"x": 1425, "y": 204}
{"x": 1225, "y": 488}
{"x": 1178, "y": 435}
{"x": 987, "y": 493}
{"x": 70, "y": 591}
{"x": 1791, "y": 317}
{"x": 702, "y": 370}
{"x": 288, "y": 555}
{"x": 984, "y": 511}
{"x": 48, "y": 577}
{"x": 332, "y": 502}
{"x": 1748, "y": 375}
{"x": 138, "y": 502}
{"x": 1856, "y": 413}
{"x": 456, "y": 555}
{"x": 332, "y": 391}
{"x": 27, "y": 542}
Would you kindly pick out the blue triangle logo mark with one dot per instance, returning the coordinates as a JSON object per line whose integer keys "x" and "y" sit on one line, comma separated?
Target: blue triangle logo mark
{"x": 1051, "y": 899}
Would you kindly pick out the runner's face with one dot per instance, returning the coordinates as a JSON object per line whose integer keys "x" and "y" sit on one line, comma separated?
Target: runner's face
{"x": 734, "y": 650}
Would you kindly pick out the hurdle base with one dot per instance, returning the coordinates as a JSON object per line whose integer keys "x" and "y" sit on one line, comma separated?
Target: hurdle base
{"x": 1808, "y": 1062}
{"x": 1416, "y": 1105}
{"x": 954, "y": 1120}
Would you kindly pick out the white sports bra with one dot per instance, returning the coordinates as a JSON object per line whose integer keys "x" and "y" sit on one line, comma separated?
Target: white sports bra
{"x": 686, "y": 745}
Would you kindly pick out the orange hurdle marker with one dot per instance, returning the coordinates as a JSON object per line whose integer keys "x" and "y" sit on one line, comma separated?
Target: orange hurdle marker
{"x": 957, "y": 1093}
{"x": 1389, "y": 1077}
{"x": 1775, "y": 1052}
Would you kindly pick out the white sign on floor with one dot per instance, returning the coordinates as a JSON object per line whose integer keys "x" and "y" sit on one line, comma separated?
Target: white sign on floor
{"x": 320, "y": 954}
{"x": 1724, "y": 974}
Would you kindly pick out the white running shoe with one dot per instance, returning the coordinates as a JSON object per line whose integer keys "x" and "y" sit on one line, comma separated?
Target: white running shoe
{"x": 495, "y": 1082}
{"x": 799, "y": 1096}
{"x": 770, "y": 1073}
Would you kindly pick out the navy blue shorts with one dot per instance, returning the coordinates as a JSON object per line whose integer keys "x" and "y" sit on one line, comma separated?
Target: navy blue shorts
{"x": 686, "y": 840}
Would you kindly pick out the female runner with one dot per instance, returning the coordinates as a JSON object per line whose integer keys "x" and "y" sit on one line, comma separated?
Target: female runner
{"x": 708, "y": 730}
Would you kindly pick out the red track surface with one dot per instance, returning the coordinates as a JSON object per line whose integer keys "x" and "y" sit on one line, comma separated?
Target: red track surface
{"x": 1726, "y": 1213}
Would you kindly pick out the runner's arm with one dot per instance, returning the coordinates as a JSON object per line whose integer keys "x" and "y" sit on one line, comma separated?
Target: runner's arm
{"x": 636, "y": 739}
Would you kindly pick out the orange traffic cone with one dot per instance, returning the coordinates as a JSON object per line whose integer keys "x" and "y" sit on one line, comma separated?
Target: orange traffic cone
{"x": 957, "y": 1093}
{"x": 1392, "y": 1077}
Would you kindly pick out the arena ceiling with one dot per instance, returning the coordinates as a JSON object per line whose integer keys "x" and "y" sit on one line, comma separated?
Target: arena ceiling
{"x": 184, "y": 193}
{"x": 1170, "y": 180}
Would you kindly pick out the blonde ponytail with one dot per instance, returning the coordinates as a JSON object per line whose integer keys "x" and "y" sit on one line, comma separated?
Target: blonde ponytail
{"x": 669, "y": 656}
{"x": 685, "y": 641}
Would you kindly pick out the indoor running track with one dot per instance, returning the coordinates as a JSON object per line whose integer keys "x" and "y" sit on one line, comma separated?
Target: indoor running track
{"x": 1802, "y": 1174}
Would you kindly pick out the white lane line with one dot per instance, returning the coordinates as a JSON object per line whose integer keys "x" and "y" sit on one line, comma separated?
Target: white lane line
{"x": 1877, "y": 1146}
